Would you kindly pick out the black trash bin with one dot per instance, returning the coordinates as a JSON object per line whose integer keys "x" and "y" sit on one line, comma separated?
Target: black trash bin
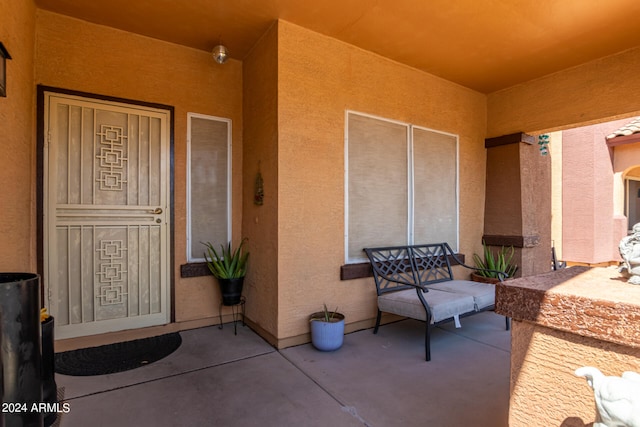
{"x": 1, "y": 379}
{"x": 49, "y": 387}
{"x": 21, "y": 349}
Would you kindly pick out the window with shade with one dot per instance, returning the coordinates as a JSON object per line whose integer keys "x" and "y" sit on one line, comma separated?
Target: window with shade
{"x": 208, "y": 183}
{"x": 401, "y": 185}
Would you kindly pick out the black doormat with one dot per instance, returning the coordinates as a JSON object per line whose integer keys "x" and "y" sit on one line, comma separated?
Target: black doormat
{"x": 112, "y": 358}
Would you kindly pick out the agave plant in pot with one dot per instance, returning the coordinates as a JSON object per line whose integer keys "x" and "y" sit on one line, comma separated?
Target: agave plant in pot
{"x": 229, "y": 267}
{"x": 494, "y": 265}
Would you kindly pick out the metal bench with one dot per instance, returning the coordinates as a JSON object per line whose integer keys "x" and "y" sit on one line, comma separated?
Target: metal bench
{"x": 417, "y": 282}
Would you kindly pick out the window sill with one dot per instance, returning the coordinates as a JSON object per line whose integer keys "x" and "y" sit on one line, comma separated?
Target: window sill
{"x": 194, "y": 269}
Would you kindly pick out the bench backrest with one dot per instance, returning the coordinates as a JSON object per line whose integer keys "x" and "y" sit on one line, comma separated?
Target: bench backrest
{"x": 403, "y": 267}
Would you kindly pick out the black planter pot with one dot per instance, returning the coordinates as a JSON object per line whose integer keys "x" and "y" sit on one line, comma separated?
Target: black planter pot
{"x": 49, "y": 388}
{"x": 231, "y": 290}
{"x": 21, "y": 347}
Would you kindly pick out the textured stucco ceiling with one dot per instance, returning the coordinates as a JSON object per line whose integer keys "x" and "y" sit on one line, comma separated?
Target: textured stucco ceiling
{"x": 485, "y": 45}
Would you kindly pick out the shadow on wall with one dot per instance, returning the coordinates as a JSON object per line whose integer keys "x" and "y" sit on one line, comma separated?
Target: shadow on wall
{"x": 575, "y": 422}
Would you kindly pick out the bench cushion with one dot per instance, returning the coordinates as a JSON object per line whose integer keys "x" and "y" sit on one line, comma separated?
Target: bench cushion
{"x": 484, "y": 294}
{"x": 444, "y": 305}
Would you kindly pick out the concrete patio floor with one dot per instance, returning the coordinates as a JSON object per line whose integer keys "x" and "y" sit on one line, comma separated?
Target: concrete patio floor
{"x": 217, "y": 378}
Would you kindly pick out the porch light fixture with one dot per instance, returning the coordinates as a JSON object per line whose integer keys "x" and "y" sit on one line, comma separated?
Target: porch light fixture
{"x": 4, "y": 54}
{"x": 220, "y": 54}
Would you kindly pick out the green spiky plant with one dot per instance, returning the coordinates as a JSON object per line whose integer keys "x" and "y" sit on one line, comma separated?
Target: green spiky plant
{"x": 326, "y": 315}
{"x": 227, "y": 264}
{"x": 500, "y": 261}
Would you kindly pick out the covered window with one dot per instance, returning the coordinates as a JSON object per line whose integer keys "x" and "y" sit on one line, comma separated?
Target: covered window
{"x": 208, "y": 183}
{"x": 401, "y": 185}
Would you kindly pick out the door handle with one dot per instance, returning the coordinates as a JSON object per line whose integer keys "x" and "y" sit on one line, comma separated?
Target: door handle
{"x": 157, "y": 211}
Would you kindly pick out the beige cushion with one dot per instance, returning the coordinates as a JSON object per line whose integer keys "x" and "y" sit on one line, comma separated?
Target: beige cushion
{"x": 484, "y": 294}
{"x": 444, "y": 305}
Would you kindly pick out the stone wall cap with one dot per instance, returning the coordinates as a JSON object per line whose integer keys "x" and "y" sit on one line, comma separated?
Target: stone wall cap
{"x": 592, "y": 302}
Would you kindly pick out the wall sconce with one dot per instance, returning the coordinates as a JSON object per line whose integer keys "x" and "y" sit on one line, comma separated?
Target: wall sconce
{"x": 220, "y": 54}
{"x": 3, "y": 69}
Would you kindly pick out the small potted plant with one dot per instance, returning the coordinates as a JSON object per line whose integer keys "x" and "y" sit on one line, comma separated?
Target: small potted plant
{"x": 489, "y": 266}
{"x": 229, "y": 267}
{"x": 327, "y": 329}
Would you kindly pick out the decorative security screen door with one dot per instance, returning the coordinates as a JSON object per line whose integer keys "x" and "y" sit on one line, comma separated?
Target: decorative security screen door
{"x": 106, "y": 215}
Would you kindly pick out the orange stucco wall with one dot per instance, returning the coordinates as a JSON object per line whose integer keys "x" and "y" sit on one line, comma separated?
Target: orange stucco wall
{"x": 602, "y": 89}
{"x": 295, "y": 104}
{"x": 318, "y": 79}
{"x": 564, "y": 320}
{"x": 598, "y": 91}
{"x": 297, "y": 86}
{"x": 260, "y": 222}
{"x": 77, "y": 55}
{"x": 17, "y": 151}
{"x": 544, "y": 389}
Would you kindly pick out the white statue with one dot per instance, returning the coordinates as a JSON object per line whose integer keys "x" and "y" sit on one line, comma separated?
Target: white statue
{"x": 617, "y": 398}
{"x": 630, "y": 252}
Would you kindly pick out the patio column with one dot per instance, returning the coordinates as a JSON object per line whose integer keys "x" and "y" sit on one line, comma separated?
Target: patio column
{"x": 518, "y": 201}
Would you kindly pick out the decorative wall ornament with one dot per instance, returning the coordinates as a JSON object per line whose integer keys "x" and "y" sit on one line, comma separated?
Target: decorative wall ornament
{"x": 4, "y": 55}
{"x": 258, "y": 197}
{"x": 629, "y": 248}
{"x": 617, "y": 398}
{"x": 543, "y": 142}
